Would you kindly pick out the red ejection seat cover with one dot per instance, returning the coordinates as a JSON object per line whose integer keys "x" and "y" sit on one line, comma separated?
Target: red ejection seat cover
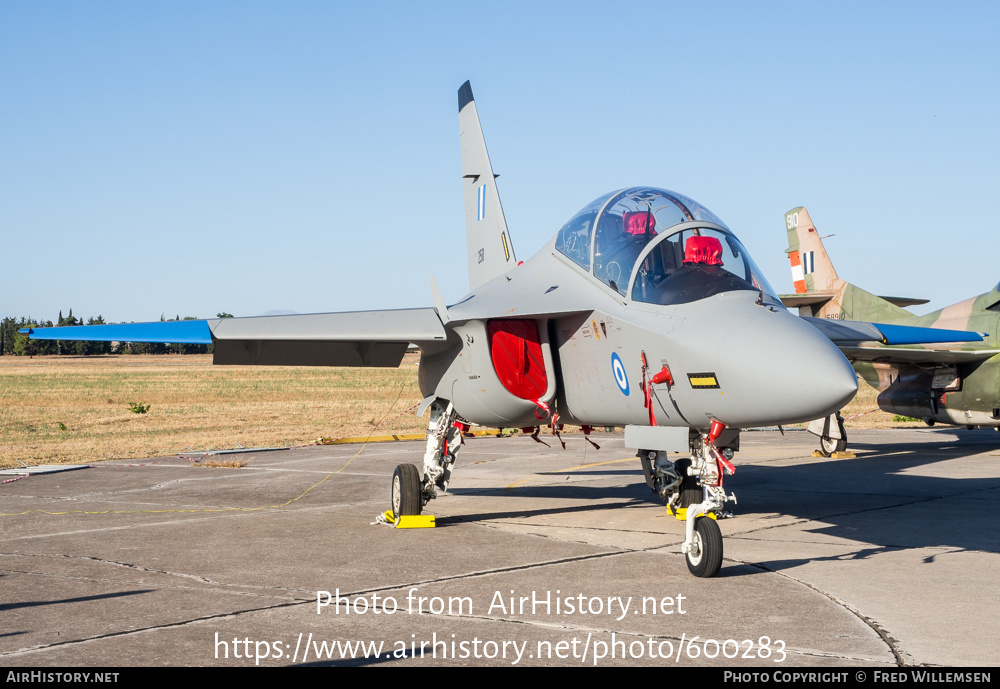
{"x": 636, "y": 222}
{"x": 707, "y": 250}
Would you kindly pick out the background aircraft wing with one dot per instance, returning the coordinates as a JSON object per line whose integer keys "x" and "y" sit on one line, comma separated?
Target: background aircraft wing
{"x": 862, "y": 341}
{"x": 916, "y": 355}
{"x": 358, "y": 338}
{"x": 853, "y": 332}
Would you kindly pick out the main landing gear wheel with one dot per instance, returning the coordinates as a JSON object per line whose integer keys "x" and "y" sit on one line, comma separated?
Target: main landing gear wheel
{"x": 705, "y": 558}
{"x": 830, "y": 445}
{"x": 406, "y": 491}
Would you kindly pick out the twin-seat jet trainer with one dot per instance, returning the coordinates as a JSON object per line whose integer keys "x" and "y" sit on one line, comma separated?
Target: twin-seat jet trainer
{"x": 644, "y": 311}
{"x": 957, "y": 384}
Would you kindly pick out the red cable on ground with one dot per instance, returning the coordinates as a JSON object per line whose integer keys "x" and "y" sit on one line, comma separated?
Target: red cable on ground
{"x": 861, "y": 414}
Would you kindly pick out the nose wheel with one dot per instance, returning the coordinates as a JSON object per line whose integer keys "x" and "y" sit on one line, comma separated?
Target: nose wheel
{"x": 704, "y": 559}
{"x": 406, "y": 491}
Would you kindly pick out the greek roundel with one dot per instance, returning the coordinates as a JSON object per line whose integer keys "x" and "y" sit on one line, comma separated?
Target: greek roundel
{"x": 618, "y": 370}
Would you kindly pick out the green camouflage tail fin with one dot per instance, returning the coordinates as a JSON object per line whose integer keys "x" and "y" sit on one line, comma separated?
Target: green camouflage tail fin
{"x": 819, "y": 291}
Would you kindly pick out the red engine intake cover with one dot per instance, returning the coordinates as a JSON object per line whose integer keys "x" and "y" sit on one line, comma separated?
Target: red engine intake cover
{"x": 517, "y": 357}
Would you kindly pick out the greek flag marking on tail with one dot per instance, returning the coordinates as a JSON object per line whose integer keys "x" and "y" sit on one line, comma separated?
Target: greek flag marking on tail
{"x": 798, "y": 277}
{"x": 808, "y": 265}
{"x": 482, "y": 203}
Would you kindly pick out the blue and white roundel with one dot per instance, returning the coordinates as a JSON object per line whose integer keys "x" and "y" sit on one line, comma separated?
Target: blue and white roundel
{"x": 618, "y": 369}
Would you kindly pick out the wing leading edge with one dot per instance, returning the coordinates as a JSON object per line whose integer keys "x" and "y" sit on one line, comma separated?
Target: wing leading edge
{"x": 172, "y": 332}
{"x": 853, "y": 332}
{"x": 359, "y": 338}
{"x": 860, "y": 341}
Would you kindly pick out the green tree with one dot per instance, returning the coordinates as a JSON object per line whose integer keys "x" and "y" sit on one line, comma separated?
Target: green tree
{"x": 23, "y": 346}
{"x": 96, "y": 347}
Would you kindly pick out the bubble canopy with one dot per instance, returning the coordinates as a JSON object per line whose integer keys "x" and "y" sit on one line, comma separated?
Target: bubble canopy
{"x": 665, "y": 247}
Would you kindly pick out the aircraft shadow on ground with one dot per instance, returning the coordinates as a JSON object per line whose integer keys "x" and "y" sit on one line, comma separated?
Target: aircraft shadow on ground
{"x": 878, "y": 500}
{"x": 598, "y": 498}
{"x": 80, "y": 599}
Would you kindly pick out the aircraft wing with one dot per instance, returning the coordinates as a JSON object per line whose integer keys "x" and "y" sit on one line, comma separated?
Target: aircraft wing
{"x": 860, "y": 341}
{"x": 174, "y": 332}
{"x": 916, "y": 355}
{"x": 358, "y": 338}
{"x": 853, "y": 332}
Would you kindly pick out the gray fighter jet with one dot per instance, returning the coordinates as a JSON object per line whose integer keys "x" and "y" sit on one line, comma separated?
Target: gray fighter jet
{"x": 644, "y": 311}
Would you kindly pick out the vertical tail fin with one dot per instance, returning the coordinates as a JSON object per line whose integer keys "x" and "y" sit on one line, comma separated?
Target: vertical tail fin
{"x": 823, "y": 294}
{"x": 812, "y": 270}
{"x": 488, "y": 242}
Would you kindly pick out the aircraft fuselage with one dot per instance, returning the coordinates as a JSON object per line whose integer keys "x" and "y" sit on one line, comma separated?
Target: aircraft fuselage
{"x": 737, "y": 357}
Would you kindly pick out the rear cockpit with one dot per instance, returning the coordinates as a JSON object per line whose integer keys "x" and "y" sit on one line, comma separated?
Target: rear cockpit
{"x": 658, "y": 246}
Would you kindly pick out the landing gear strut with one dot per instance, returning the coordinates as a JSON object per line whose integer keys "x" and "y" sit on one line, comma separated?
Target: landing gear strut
{"x": 695, "y": 486}
{"x": 703, "y": 543}
{"x": 411, "y": 491}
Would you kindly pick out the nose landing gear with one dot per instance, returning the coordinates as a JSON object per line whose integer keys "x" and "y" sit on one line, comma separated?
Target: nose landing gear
{"x": 692, "y": 489}
{"x": 703, "y": 543}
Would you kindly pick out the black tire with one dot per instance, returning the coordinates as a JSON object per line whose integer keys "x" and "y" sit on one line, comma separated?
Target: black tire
{"x": 705, "y": 558}
{"x": 405, "y": 495}
{"x": 827, "y": 446}
{"x": 691, "y": 492}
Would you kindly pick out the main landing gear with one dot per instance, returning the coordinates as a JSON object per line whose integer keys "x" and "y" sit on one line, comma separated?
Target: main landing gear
{"x": 832, "y": 436}
{"x": 411, "y": 491}
{"x": 692, "y": 489}
{"x": 406, "y": 498}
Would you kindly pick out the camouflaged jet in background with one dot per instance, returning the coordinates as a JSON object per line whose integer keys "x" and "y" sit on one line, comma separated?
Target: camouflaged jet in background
{"x": 643, "y": 311}
{"x": 938, "y": 383}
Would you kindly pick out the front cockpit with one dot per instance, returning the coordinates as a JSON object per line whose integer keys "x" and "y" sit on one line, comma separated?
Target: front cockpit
{"x": 658, "y": 247}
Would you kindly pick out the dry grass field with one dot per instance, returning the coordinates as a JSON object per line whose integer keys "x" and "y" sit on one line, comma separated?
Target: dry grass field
{"x": 73, "y": 409}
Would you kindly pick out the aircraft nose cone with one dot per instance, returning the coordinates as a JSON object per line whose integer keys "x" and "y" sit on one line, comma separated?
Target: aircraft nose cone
{"x": 777, "y": 369}
{"x": 812, "y": 377}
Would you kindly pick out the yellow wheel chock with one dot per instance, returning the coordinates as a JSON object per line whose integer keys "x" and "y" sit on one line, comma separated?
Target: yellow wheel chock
{"x": 408, "y": 521}
{"x": 681, "y": 514}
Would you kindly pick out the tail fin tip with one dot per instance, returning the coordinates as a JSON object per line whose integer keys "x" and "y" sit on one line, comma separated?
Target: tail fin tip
{"x": 490, "y": 253}
{"x": 465, "y": 95}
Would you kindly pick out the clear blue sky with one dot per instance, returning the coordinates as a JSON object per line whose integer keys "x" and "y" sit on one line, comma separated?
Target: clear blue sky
{"x": 195, "y": 157}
